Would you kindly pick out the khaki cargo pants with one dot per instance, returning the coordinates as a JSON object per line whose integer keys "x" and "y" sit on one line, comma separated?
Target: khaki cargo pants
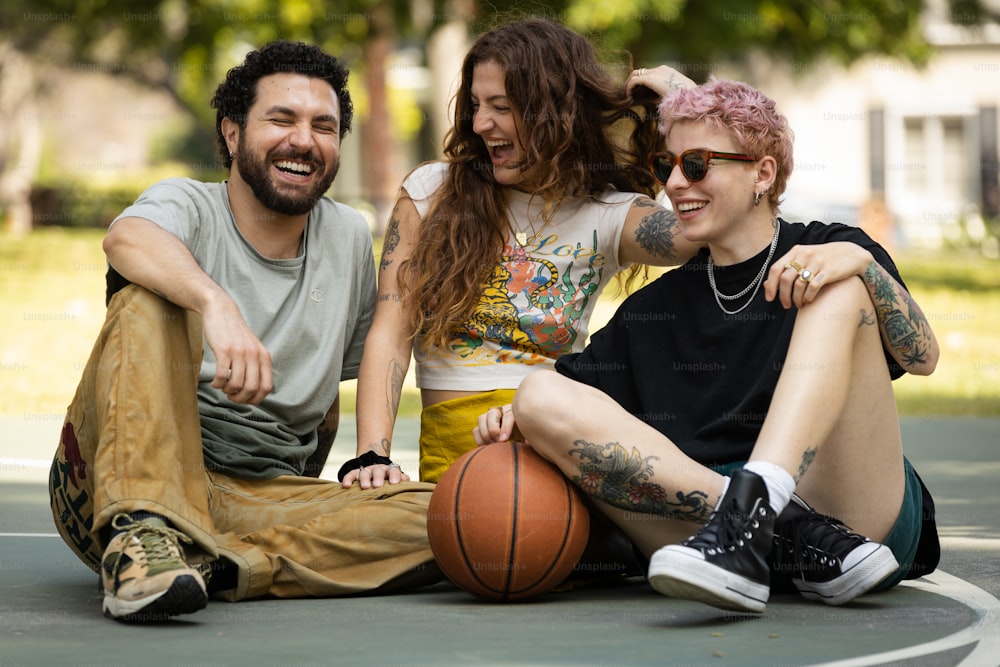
{"x": 132, "y": 441}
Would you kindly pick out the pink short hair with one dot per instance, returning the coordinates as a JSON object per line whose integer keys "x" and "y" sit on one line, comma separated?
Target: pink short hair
{"x": 749, "y": 116}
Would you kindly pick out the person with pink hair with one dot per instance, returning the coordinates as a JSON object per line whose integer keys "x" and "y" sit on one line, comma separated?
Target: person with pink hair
{"x": 734, "y": 438}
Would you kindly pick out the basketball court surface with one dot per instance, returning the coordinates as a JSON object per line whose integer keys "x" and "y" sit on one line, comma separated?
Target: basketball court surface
{"x": 50, "y": 609}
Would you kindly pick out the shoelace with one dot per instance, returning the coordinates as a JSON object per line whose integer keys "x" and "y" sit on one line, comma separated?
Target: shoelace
{"x": 155, "y": 540}
{"x": 715, "y": 537}
{"x": 811, "y": 538}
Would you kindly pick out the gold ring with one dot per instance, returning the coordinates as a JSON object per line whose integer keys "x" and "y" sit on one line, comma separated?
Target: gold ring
{"x": 642, "y": 71}
{"x": 805, "y": 275}
{"x": 795, "y": 266}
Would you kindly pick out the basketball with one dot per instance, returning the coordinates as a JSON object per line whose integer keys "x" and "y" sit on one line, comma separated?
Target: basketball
{"x": 505, "y": 525}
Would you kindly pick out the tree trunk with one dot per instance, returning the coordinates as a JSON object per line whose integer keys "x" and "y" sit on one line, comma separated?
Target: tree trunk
{"x": 379, "y": 154}
{"x": 20, "y": 138}
{"x": 446, "y": 50}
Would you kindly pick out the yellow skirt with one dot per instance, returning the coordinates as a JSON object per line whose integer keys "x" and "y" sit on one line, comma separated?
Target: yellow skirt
{"x": 446, "y": 430}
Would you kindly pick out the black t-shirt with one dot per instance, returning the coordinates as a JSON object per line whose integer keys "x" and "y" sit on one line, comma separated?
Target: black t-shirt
{"x": 704, "y": 378}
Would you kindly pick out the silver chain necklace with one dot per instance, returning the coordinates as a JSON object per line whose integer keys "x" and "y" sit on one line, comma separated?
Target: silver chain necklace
{"x": 754, "y": 285}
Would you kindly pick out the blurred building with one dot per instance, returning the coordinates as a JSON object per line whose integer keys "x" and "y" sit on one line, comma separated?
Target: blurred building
{"x": 910, "y": 154}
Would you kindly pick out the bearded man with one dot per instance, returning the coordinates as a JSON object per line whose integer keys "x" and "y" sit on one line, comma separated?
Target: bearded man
{"x": 188, "y": 462}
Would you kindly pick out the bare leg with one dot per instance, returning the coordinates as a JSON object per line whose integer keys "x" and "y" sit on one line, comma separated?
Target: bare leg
{"x": 642, "y": 481}
{"x": 833, "y": 423}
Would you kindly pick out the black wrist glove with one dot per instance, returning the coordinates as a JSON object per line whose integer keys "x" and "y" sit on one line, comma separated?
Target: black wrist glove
{"x": 367, "y": 459}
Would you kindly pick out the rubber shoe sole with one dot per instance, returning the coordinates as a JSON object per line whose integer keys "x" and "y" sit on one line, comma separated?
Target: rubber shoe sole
{"x": 683, "y": 573}
{"x": 186, "y": 595}
{"x": 873, "y": 568}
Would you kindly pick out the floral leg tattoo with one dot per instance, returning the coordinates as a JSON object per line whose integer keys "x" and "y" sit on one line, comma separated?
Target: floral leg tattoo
{"x": 621, "y": 478}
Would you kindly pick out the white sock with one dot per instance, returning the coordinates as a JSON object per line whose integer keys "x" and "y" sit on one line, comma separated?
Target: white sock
{"x": 780, "y": 485}
{"x": 722, "y": 494}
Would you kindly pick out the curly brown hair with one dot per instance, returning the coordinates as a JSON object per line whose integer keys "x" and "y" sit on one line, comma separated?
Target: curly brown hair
{"x": 577, "y": 121}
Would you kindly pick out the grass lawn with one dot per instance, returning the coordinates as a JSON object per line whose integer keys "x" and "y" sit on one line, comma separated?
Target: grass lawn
{"x": 52, "y": 307}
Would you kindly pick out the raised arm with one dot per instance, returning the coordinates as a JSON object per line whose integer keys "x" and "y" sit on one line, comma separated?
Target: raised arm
{"x": 386, "y": 357}
{"x": 661, "y": 80}
{"x": 151, "y": 257}
{"x": 906, "y": 333}
{"x": 652, "y": 236}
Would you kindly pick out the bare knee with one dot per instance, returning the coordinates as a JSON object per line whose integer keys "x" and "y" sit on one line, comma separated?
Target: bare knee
{"x": 537, "y": 396}
{"x": 844, "y": 297}
{"x": 540, "y": 406}
{"x": 842, "y": 311}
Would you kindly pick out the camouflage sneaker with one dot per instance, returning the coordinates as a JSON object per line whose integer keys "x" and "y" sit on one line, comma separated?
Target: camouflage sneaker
{"x": 144, "y": 574}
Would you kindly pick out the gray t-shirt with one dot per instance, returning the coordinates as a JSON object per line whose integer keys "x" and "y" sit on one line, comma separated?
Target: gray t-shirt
{"x": 311, "y": 313}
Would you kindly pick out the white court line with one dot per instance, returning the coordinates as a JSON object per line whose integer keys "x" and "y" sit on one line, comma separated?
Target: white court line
{"x": 985, "y": 632}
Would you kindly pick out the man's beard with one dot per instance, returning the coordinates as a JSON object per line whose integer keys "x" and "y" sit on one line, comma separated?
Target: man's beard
{"x": 255, "y": 172}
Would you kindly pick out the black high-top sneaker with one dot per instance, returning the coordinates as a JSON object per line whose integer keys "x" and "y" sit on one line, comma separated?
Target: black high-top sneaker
{"x": 825, "y": 559}
{"x": 723, "y": 564}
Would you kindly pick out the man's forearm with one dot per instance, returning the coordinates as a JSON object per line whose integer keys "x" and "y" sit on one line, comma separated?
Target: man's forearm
{"x": 153, "y": 258}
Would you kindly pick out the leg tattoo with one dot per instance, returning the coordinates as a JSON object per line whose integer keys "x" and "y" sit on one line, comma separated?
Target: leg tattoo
{"x": 807, "y": 459}
{"x": 621, "y": 478}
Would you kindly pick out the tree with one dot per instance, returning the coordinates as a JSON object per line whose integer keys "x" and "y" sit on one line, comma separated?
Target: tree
{"x": 184, "y": 46}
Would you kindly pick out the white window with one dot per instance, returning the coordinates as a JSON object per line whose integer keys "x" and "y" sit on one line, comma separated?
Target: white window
{"x": 932, "y": 174}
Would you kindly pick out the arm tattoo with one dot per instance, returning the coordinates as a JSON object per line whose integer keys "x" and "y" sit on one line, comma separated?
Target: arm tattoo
{"x": 656, "y": 231}
{"x": 905, "y": 332}
{"x": 678, "y": 81}
{"x": 389, "y": 243}
{"x": 325, "y": 435}
{"x": 879, "y": 284}
{"x": 621, "y": 478}
{"x": 394, "y": 387}
{"x": 381, "y": 447}
{"x": 807, "y": 459}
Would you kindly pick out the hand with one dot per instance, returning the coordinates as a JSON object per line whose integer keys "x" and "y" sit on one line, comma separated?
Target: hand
{"x": 243, "y": 364}
{"x": 798, "y": 275}
{"x": 496, "y": 425}
{"x": 375, "y": 476}
{"x": 661, "y": 80}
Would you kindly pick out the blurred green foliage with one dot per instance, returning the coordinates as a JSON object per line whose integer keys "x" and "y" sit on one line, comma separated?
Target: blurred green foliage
{"x": 184, "y": 47}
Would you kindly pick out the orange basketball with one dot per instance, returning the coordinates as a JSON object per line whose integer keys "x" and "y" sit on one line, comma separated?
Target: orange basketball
{"x": 505, "y": 525}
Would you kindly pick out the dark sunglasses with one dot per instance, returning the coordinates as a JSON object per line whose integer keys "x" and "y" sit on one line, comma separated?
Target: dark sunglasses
{"x": 694, "y": 163}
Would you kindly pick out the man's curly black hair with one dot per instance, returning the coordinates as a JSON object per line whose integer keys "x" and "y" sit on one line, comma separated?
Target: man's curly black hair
{"x": 234, "y": 96}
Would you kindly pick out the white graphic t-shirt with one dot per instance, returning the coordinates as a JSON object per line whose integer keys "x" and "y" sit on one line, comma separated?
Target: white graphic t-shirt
{"x": 536, "y": 304}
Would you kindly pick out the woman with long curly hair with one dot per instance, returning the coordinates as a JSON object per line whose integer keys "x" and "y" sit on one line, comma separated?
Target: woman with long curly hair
{"x": 495, "y": 257}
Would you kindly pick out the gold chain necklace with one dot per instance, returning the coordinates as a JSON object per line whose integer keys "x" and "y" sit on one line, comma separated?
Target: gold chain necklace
{"x": 521, "y": 236}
